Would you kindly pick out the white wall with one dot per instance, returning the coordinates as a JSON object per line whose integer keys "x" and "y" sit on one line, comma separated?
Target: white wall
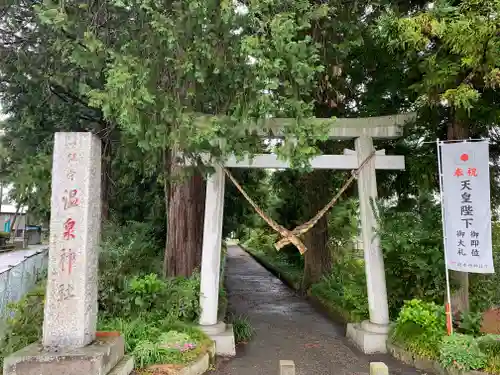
{"x": 8, "y": 205}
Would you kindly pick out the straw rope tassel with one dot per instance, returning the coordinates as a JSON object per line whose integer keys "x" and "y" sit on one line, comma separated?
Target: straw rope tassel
{"x": 293, "y": 235}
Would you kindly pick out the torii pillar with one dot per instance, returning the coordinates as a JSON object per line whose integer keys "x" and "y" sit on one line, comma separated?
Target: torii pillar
{"x": 371, "y": 335}
{"x": 221, "y": 333}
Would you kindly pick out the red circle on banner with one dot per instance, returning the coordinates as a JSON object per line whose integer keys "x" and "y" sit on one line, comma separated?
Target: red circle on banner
{"x": 464, "y": 157}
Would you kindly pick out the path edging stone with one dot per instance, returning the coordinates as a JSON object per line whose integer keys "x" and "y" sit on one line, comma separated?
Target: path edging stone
{"x": 198, "y": 367}
{"x": 426, "y": 364}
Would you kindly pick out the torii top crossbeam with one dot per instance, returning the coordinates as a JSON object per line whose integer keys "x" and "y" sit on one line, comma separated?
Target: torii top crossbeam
{"x": 387, "y": 127}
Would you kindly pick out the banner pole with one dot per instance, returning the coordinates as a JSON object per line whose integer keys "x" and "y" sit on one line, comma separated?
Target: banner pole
{"x": 449, "y": 320}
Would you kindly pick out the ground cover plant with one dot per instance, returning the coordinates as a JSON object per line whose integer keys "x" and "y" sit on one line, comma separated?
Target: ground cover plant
{"x": 157, "y": 316}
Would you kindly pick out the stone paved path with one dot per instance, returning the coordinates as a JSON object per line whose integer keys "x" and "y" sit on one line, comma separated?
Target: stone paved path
{"x": 287, "y": 327}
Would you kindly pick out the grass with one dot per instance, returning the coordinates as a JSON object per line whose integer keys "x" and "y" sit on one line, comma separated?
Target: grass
{"x": 243, "y": 330}
{"x": 148, "y": 340}
{"x": 343, "y": 292}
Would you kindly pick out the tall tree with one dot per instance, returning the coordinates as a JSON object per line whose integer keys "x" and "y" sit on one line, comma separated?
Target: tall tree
{"x": 454, "y": 46}
{"x": 361, "y": 79}
{"x": 40, "y": 90}
{"x": 242, "y": 63}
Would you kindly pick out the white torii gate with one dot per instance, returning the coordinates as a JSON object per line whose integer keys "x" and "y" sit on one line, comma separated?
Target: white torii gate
{"x": 370, "y": 336}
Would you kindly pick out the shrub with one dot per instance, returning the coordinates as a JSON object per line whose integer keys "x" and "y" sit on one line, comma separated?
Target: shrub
{"x": 484, "y": 290}
{"x": 461, "y": 352}
{"x": 126, "y": 251}
{"x": 412, "y": 245}
{"x": 470, "y": 323}
{"x": 145, "y": 291}
{"x": 343, "y": 228}
{"x": 24, "y": 323}
{"x": 129, "y": 265}
{"x": 420, "y": 327}
{"x": 174, "y": 298}
{"x": 259, "y": 239}
{"x": 489, "y": 344}
{"x": 182, "y": 299}
{"x": 345, "y": 289}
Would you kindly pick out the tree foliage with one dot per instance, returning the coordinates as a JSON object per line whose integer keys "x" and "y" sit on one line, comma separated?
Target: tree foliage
{"x": 159, "y": 78}
{"x": 150, "y": 89}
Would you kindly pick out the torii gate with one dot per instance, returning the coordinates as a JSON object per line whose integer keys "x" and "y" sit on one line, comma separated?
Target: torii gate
{"x": 370, "y": 336}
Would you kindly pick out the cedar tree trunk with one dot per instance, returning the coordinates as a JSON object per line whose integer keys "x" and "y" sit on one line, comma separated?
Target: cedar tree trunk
{"x": 317, "y": 259}
{"x": 185, "y": 200}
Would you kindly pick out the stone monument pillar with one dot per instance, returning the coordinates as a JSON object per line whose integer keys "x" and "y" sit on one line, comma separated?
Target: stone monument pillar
{"x": 71, "y": 299}
{"x": 69, "y": 345}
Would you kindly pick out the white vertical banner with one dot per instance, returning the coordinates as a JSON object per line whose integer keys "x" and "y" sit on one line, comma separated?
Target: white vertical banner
{"x": 466, "y": 206}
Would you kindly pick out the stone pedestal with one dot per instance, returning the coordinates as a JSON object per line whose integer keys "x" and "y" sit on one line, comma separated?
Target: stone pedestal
{"x": 378, "y": 368}
{"x": 69, "y": 345}
{"x": 369, "y": 337}
{"x": 104, "y": 356}
{"x": 223, "y": 336}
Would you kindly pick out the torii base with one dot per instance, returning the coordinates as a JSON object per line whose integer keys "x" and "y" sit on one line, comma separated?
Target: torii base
{"x": 223, "y": 336}
{"x": 369, "y": 337}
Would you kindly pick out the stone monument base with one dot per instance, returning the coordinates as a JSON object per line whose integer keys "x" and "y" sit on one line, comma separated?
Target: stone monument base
{"x": 223, "y": 336}
{"x": 105, "y": 356}
{"x": 371, "y": 338}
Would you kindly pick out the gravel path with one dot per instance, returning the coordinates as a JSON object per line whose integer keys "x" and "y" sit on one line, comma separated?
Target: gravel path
{"x": 287, "y": 327}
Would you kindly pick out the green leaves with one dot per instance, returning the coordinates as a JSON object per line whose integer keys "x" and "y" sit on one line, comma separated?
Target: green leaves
{"x": 426, "y": 314}
{"x": 464, "y": 96}
{"x": 470, "y": 323}
{"x": 411, "y": 241}
{"x": 420, "y": 328}
{"x": 456, "y": 46}
{"x": 51, "y": 16}
{"x": 158, "y": 76}
{"x": 461, "y": 352}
